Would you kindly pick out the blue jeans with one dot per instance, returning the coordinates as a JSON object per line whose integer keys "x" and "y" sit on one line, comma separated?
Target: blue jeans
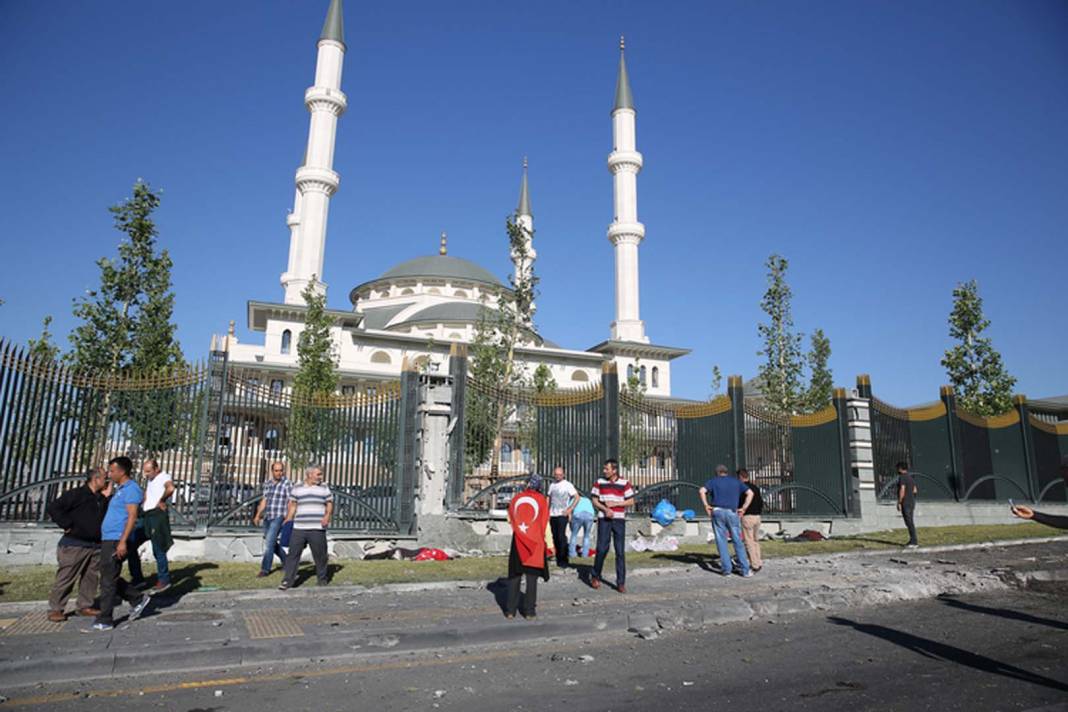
{"x": 133, "y": 557}
{"x": 271, "y": 547}
{"x": 724, "y": 520}
{"x": 614, "y": 530}
{"x": 584, "y": 524}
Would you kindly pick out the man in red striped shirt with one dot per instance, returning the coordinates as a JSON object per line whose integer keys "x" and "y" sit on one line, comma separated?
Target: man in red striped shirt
{"x": 611, "y": 496}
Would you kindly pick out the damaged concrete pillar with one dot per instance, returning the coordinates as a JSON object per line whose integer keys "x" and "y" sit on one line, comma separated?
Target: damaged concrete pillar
{"x": 432, "y": 458}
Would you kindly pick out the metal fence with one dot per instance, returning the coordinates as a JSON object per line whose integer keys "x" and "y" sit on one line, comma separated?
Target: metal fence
{"x": 213, "y": 427}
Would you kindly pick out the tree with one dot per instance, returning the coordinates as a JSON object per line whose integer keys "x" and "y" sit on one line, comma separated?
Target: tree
{"x": 974, "y": 366}
{"x": 312, "y": 428}
{"x": 632, "y": 441}
{"x": 126, "y": 325}
{"x": 493, "y": 349}
{"x": 43, "y": 349}
{"x": 780, "y": 374}
{"x": 126, "y": 321}
{"x": 717, "y": 382}
{"x": 821, "y": 380}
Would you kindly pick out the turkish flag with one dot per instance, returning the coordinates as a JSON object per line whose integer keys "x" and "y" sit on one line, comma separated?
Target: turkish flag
{"x": 529, "y": 515}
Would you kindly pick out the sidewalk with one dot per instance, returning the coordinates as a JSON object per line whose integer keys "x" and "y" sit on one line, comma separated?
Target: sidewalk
{"x": 209, "y": 631}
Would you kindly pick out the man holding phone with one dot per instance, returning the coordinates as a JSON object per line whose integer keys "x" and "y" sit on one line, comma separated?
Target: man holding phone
{"x": 1050, "y": 520}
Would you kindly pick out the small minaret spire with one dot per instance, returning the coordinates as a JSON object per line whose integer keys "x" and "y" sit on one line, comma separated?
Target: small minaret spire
{"x": 443, "y": 249}
{"x": 316, "y": 180}
{"x": 625, "y": 233}
{"x": 524, "y": 220}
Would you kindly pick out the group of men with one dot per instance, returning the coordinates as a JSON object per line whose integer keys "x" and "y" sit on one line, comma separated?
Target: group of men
{"x": 104, "y": 523}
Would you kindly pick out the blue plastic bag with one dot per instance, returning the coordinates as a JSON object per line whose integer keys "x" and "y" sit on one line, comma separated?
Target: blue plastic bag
{"x": 688, "y": 515}
{"x": 664, "y": 513}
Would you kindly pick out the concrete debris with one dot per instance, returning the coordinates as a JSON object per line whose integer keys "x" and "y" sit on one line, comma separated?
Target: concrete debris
{"x": 586, "y": 658}
{"x": 438, "y": 694}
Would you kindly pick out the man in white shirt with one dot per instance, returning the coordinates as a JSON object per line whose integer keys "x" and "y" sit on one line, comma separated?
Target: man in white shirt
{"x": 563, "y": 497}
{"x": 311, "y": 505}
{"x": 155, "y": 526}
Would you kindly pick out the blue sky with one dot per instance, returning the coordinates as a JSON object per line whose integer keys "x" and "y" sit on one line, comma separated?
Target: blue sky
{"x": 888, "y": 149}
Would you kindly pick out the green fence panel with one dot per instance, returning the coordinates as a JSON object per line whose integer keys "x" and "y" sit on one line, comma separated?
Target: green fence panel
{"x": 818, "y": 464}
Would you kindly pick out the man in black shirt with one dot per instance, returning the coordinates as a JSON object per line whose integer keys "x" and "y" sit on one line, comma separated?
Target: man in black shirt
{"x": 78, "y": 512}
{"x": 751, "y": 521}
{"x": 906, "y": 501}
{"x": 1051, "y": 520}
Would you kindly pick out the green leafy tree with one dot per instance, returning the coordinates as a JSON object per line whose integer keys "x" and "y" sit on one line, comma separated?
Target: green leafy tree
{"x": 717, "y": 382}
{"x": 633, "y": 444}
{"x": 493, "y": 351}
{"x": 126, "y": 326}
{"x": 821, "y": 380}
{"x": 974, "y": 366}
{"x": 43, "y": 349}
{"x": 313, "y": 428}
{"x": 780, "y": 374}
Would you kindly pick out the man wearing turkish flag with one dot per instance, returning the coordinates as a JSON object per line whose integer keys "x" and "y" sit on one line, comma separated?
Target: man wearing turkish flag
{"x": 528, "y": 514}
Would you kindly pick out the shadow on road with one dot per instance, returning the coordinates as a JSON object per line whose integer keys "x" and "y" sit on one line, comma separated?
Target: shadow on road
{"x": 708, "y": 562}
{"x": 499, "y": 589}
{"x": 306, "y": 573}
{"x": 1003, "y": 613}
{"x": 941, "y": 651}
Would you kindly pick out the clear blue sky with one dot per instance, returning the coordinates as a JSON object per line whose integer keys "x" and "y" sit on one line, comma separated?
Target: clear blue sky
{"x": 888, "y": 149}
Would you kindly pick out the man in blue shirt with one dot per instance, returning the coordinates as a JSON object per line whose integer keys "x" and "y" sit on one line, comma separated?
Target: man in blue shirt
{"x": 726, "y": 493}
{"x": 114, "y": 534}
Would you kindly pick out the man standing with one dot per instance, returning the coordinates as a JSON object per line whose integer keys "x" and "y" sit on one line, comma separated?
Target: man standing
{"x": 115, "y": 533}
{"x": 562, "y": 500}
{"x": 611, "y": 496}
{"x": 78, "y": 512}
{"x": 156, "y": 521}
{"x": 750, "y": 514}
{"x": 310, "y": 507}
{"x": 272, "y": 512}
{"x": 906, "y": 501}
{"x": 726, "y": 493}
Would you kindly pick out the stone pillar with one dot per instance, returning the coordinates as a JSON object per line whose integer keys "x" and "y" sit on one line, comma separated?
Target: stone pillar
{"x": 432, "y": 454}
{"x": 610, "y": 413}
{"x": 736, "y": 393}
{"x": 861, "y": 462}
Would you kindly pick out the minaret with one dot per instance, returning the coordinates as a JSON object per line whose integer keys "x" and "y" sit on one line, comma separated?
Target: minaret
{"x": 524, "y": 218}
{"x": 625, "y": 232}
{"x": 316, "y": 179}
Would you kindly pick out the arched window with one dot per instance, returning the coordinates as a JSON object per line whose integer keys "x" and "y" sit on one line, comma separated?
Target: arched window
{"x": 380, "y": 357}
{"x": 433, "y": 290}
{"x": 580, "y": 376}
{"x": 456, "y": 336}
{"x": 656, "y": 376}
{"x": 270, "y": 439}
{"x": 460, "y": 293}
{"x": 287, "y": 341}
{"x": 642, "y": 376}
{"x": 630, "y": 372}
{"x": 506, "y": 453}
{"x": 276, "y": 386}
{"x": 406, "y": 291}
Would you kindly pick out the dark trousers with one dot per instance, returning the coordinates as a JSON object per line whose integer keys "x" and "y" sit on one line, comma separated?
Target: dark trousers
{"x": 112, "y": 584}
{"x": 614, "y": 530}
{"x": 316, "y": 539}
{"x": 908, "y": 511}
{"x": 530, "y": 600}
{"x": 558, "y": 525}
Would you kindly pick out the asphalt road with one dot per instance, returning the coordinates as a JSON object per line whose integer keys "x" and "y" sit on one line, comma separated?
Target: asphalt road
{"x": 1005, "y": 651}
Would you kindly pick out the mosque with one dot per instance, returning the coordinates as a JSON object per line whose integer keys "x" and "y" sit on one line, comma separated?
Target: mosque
{"x": 419, "y": 308}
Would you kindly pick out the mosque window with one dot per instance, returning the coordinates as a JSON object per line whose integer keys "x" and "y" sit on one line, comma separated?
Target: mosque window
{"x": 287, "y": 341}
{"x": 580, "y": 376}
{"x": 433, "y": 290}
{"x": 407, "y": 291}
{"x": 656, "y": 376}
{"x": 276, "y": 386}
{"x": 460, "y": 293}
{"x": 506, "y": 452}
{"x": 630, "y": 372}
{"x": 642, "y": 376}
{"x": 380, "y": 357}
{"x": 455, "y": 336}
{"x": 270, "y": 439}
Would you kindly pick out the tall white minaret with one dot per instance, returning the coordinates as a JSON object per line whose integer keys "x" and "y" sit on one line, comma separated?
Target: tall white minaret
{"x": 625, "y": 232}
{"x": 316, "y": 179}
{"x": 524, "y": 218}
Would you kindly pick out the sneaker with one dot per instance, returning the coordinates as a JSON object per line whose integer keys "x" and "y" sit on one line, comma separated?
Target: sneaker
{"x": 103, "y": 626}
{"x": 160, "y": 587}
{"x": 912, "y": 546}
{"x": 747, "y": 574}
{"x": 284, "y": 586}
{"x": 138, "y": 608}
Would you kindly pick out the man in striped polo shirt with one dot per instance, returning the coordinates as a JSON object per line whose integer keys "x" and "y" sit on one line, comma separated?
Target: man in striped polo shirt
{"x": 611, "y": 496}
{"x": 311, "y": 505}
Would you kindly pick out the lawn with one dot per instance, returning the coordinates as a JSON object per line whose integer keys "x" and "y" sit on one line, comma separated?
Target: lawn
{"x": 30, "y": 583}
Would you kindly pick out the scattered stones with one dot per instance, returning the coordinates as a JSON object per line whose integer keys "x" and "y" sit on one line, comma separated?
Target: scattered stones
{"x": 383, "y": 641}
{"x": 571, "y": 683}
{"x": 438, "y": 694}
{"x": 585, "y": 658}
